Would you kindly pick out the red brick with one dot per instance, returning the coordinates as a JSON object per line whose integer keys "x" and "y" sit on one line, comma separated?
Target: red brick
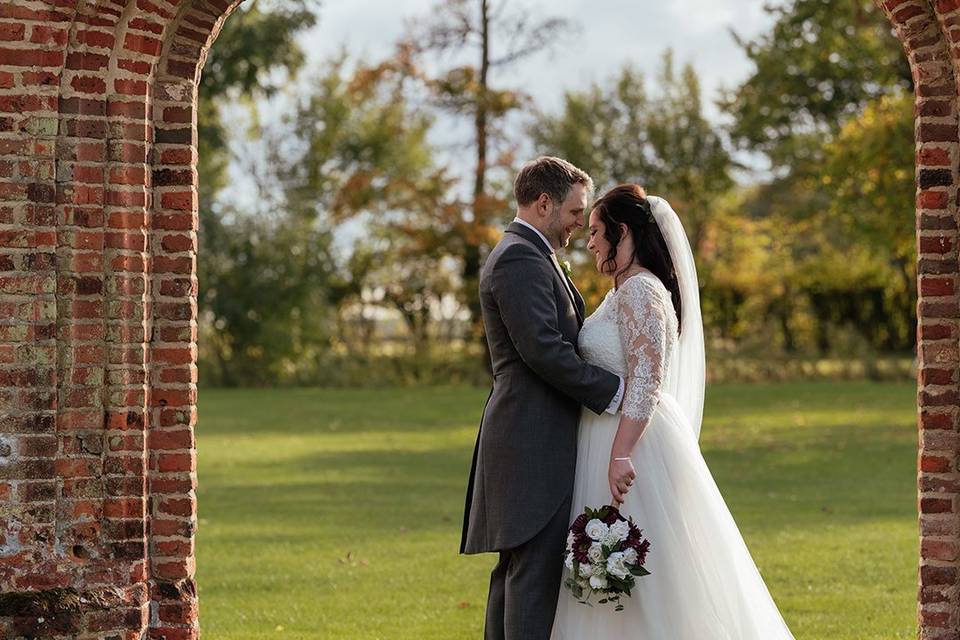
{"x": 176, "y": 156}
{"x": 179, "y": 200}
{"x": 175, "y": 462}
{"x": 935, "y": 464}
{"x": 96, "y": 39}
{"x": 23, "y": 103}
{"x": 146, "y": 25}
{"x": 154, "y": 9}
{"x": 11, "y": 10}
{"x": 936, "y": 286}
{"x": 87, "y": 61}
{"x": 935, "y": 244}
{"x": 907, "y": 12}
{"x": 938, "y": 132}
{"x": 123, "y": 507}
{"x": 177, "y": 243}
{"x": 89, "y": 84}
{"x": 12, "y": 31}
{"x": 130, "y": 87}
{"x": 128, "y": 175}
{"x": 936, "y": 505}
{"x": 142, "y": 44}
{"x": 136, "y": 110}
{"x": 933, "y": 199}
{"x": 42, "y": 34}
{"x": 140, "y": 67}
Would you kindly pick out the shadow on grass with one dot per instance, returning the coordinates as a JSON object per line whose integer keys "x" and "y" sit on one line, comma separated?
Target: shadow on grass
{"x": 318, "y": 411}
{"x": 790, "y": 486}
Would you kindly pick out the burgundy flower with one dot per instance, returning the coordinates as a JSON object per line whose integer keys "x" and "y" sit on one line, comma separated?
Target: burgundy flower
{"x": 580, "y": 544}
{"x": 580, "y": 524}
{"x": 641, "y": 547}
{"x": 580, "y": 548}
{"x": 612, "y": 515}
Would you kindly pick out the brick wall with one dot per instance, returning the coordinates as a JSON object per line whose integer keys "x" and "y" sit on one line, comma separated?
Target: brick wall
{"x": 98, "y": 316}
{"x": 98, "y": 289}
{"x": 926, "y": 30}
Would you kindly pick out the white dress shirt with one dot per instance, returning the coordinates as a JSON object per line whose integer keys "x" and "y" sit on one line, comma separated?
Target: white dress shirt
{"x": 615, "y": 403}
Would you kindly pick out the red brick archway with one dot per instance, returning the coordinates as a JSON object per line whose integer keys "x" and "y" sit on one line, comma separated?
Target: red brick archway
{"x": 98, "y": 220}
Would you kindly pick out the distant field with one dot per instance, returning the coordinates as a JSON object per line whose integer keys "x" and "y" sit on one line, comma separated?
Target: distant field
{"x": 336, "y": 514}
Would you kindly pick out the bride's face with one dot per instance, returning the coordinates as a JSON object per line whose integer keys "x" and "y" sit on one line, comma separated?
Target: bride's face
{"x": 599, "y": 246}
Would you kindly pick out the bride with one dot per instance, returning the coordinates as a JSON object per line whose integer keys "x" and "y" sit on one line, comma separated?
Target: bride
{"x": 703, "y": 583}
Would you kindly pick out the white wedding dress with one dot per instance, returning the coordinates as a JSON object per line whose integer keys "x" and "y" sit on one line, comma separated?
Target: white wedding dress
{"x": 703, "y": 583}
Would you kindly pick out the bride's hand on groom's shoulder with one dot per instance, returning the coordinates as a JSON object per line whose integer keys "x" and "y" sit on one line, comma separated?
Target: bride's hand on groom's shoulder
{"x": 620, "y": 475}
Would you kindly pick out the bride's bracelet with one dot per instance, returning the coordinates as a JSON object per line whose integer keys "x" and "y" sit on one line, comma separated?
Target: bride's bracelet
{"x": 627, "y": 458}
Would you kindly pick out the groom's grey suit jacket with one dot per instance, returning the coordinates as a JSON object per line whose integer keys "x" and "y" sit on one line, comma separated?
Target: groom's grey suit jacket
{"x": 526, "y": 451}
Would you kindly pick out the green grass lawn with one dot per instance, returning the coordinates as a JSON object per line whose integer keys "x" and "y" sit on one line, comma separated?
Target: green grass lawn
{"x": 336, "y": 514}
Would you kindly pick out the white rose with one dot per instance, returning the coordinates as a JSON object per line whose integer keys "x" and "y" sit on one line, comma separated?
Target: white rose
{"x": 630, "y": 556}
{"x": 596, "y": 529}
{"x": 598, "y": 582}
{"x": 586, "y": 570}
{"x": 615, "y": 565}
{"x": 610, "y": 538}
{"x": 569, "y": 561}
{"x": 595, "y": 552}
{"x": 621, "y": 528}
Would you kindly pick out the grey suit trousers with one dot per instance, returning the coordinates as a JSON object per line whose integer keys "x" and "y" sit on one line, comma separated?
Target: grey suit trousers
{"x": 525, "y": 583}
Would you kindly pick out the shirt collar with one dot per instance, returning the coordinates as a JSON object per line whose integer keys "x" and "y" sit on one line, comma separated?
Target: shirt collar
{"x": 537, "y": 231}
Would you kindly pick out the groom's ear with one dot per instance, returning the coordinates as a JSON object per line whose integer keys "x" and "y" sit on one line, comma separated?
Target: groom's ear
{"x": 543, "y": 204}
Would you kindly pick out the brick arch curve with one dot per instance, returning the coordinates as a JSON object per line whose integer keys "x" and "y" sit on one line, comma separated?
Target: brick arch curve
{"x": 98, "y": 221}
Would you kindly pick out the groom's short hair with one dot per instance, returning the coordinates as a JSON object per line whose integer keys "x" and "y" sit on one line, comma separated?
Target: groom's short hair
{"x": 549, "y": 175}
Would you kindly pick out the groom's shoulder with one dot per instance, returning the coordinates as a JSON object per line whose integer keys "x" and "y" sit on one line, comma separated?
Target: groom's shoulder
{"x": 512, "y": 247}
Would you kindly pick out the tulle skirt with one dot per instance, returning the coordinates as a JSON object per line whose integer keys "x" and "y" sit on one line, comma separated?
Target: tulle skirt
{"x": 703, "y": 584}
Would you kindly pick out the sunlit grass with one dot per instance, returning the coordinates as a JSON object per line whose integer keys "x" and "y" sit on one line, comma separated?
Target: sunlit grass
{"x": 336, "y": 514}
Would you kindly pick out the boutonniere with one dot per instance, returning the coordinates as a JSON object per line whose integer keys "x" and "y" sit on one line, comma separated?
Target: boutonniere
{"x": 567, "y": 269}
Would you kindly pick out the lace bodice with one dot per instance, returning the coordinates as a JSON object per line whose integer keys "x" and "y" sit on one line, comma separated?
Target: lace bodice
{"x": 634, "y": 333}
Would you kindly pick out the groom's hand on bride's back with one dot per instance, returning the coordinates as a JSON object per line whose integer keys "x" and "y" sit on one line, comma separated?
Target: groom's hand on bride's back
{"x": 626, "y": 382}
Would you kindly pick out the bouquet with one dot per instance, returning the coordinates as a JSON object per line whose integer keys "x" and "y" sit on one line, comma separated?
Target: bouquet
{"x": 605, "y": 554}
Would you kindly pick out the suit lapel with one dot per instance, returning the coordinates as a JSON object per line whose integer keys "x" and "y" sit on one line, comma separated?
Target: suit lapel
{"x": 572, "y": 293}
{"x": 581, "y": 307}
{"x": 568, "y": 286}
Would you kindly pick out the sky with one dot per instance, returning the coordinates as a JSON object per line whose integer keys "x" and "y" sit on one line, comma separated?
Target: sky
{"x": 607, "y": 34}
{"x": 611, "y": 32}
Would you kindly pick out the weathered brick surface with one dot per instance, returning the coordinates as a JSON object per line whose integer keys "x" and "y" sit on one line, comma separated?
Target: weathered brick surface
{"x": 930, "y": 33}
{"x": 98, "y": 222}
{"x": 98, "y": 288}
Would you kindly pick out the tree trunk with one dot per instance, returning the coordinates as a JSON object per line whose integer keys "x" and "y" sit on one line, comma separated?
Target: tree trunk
{"x": 471, "y": 259}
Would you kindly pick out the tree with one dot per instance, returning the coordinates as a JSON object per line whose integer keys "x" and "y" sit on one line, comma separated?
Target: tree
{"x": 619, "y": 132}
{"x": 869, "y": 180}
{"x": 819, "y": 66}
{"x": 829, "y": 104}
{"x": 267, "y": 302}
{"x": 357, "y": 149}
{"x": 248, "y": 335}
{"x": 255, "y": 54}
{"x": 497, "y": 34}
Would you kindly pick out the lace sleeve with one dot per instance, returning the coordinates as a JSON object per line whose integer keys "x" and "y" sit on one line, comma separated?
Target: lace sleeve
{"x": 641, "y": 319}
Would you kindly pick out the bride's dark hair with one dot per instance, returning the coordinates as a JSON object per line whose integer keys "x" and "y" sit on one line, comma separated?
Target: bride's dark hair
{"x": 627, "y": 204}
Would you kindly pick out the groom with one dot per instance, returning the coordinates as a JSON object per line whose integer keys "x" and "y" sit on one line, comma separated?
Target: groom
{"x": 521, "y": 483}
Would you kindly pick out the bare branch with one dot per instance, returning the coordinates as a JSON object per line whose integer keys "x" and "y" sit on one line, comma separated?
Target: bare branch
{"x": 452, "y": 26}
{"x": 527, "y": 37}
